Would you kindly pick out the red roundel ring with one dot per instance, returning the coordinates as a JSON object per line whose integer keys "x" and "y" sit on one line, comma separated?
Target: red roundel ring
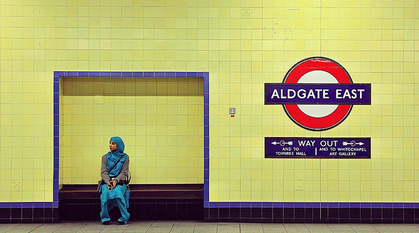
{"x": 338, "y": 72}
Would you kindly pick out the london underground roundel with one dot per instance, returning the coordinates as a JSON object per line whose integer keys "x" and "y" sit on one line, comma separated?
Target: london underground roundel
{"x": 317, "y": 93}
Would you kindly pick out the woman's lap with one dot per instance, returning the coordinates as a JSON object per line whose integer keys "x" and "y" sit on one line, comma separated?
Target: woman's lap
{"x": 117, "y": 192}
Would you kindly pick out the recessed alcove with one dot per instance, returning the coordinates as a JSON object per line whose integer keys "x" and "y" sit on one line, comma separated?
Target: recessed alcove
{"x": 161, "y": 120}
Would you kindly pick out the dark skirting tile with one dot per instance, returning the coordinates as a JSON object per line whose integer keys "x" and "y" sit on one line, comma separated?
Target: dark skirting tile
{"x": 355, "y": 213}
{"x": 288, "y": 220}
{"x": 27, "y": 213}
{"x": 16, "y": 213}
{"x": 5, "y": 213}
{"x": 267, "y": 213}
{"x": 213, "y": 213}
{"x": 15, "y": 220}
{"x": 398, "y": 214}
{"x": 377, "y": 213}
{"x": 266, "y": 220}
{"x": 4, "y": 220}
{"x": 235, "y": 214}
{"x": 207, "y": 214}
{"x": 175, "y": 210}
{"x": 308, "y": 213}
{"x": 245, "y": 213}
{"x": 137, "y": 210}
{"x": 195, "y": 211}
{"x": 332, "y": 220}
{"x": 300, "y": 213}
{"x": 343, "y": 213}
{"x": 278, "y": 214}
{"x": 171, "y": 209}
{"x": 366, "y": 213}
{"x": 224, "y": 213}
{"x": 358, "y": 220}
{"x": 324, "y": 213}
{"x": 48, "y": 212}
{"x": 316, "y": 215}
{"x": 387, "y": 215}
{"x": 408, "y": 215}
{"x": 256, "y": 213}
{"x": 333, "y": 213}
{"x": 27, "y": 220}
{"x": 289, "y": 213}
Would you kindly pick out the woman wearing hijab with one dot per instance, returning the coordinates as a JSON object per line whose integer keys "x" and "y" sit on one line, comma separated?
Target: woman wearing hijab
{"x": 114, "y": 172}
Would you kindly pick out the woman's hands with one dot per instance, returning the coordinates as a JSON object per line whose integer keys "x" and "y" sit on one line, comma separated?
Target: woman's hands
{"x": 111, "y": 184}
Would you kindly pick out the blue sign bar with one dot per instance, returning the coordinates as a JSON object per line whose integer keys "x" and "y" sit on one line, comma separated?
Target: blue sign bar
{"x": 342, "y": 148}
{"x": 285, "y": 93}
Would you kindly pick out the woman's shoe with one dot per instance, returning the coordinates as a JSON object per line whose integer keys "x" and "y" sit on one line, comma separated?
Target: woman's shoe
{"x": 121, "y": 223}
{"x": 106, "y": 222}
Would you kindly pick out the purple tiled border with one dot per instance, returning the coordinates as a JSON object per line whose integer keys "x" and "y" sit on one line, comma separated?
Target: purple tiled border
{"x": 58, "y": 74}
{"x": 366, "y": 205}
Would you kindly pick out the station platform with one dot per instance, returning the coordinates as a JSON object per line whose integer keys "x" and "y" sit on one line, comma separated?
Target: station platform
{"x": 203, "y": 227}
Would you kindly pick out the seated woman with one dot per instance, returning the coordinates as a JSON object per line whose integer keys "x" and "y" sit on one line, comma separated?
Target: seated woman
{"x": 114, "y": 172}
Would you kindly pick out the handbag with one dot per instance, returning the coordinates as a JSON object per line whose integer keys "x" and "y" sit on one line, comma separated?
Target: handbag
{"x": 127, "y": 191}
{"x": 126, "y": 196}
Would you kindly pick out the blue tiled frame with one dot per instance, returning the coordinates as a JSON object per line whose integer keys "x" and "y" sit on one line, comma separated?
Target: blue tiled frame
{"x": 112, "y": 74}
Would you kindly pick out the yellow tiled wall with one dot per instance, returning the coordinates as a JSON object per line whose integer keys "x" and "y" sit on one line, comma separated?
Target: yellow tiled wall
{"x": 159, "y": 119}
{"x": 242, "y": 44}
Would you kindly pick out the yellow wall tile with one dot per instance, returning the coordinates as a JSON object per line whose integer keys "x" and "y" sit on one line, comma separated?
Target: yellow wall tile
{"x": 242, "y": 45}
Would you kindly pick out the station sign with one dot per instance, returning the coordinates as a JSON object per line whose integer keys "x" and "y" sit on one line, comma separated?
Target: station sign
{"x": 293, "y": 147}
{"x": 317, "y": 93}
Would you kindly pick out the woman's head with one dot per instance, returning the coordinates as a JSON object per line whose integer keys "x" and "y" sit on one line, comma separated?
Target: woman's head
{"x": 116, "y": 145}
